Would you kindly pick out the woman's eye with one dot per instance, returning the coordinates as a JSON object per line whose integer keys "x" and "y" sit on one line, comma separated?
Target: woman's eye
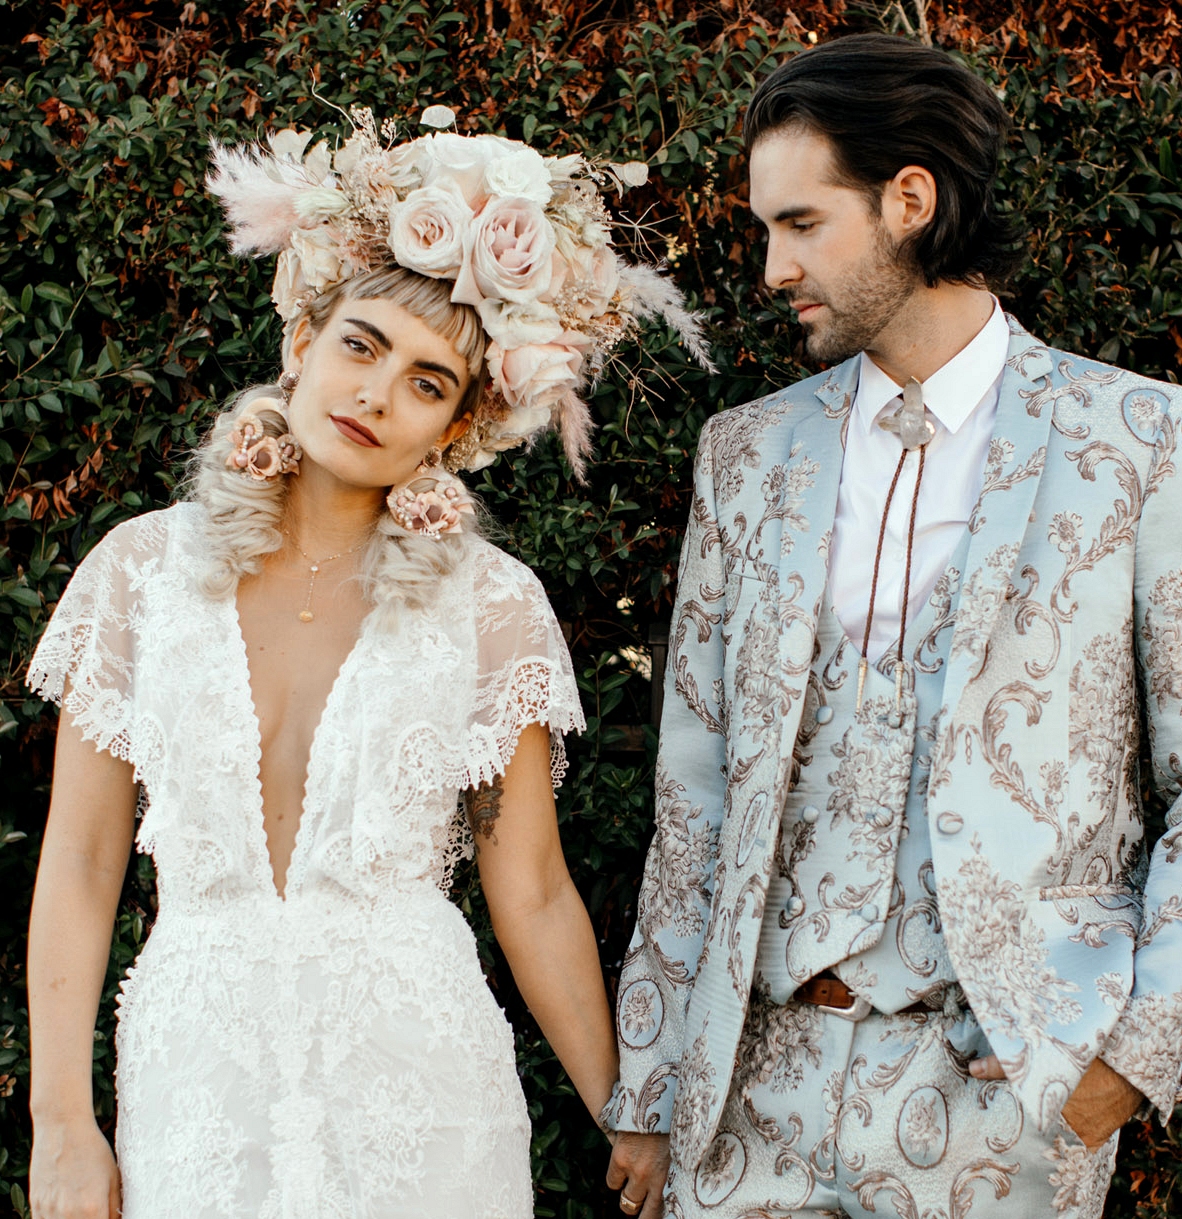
{"x": 356, "y": 345}
{"x": 429, "y": 387}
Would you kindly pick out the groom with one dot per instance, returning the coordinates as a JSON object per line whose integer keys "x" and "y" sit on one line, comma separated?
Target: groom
{"x": 900, "y": 946}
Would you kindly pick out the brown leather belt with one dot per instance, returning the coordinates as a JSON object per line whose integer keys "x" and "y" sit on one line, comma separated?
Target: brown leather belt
{"x": 828, "y": 990}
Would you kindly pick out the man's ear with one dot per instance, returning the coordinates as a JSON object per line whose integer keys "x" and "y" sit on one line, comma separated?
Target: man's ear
{"x": 909, "y": 202}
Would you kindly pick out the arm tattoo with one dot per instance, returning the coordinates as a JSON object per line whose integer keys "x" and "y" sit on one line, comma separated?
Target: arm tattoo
{"x": 484, "y": 807}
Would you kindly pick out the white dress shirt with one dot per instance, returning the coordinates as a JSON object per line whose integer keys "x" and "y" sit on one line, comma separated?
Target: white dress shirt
{"x": 962, "y": 399}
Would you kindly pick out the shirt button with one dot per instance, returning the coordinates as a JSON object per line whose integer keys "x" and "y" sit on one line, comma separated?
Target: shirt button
{"x": 949, "y": 824}
{"x": 794, "y": 907}
{"x": 809, "y": 814}
{"x": 824, "y": 714}
{"x": 883, "y": 817}
{"x": 869, "y": 913}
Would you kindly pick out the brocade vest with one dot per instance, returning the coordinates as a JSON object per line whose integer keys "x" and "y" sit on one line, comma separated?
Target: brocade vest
{"x": 853, "y": 889}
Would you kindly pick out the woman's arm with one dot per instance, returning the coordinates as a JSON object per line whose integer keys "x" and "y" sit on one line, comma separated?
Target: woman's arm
{"x": 539, "y": 918}
{"x": 83, "y": 861}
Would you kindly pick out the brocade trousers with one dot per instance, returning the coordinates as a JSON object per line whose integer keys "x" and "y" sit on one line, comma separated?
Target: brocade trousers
{"x": 829, "y": 1118}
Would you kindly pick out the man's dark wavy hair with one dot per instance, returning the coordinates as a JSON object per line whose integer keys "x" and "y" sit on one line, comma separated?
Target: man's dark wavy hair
{"x": 883, "y": 103}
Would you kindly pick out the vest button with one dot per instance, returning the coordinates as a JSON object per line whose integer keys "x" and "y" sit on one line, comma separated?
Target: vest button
{"x": 869, "y": 913}
{"x": 794, "y": 907}
{"x": 809, "y": 814}
{"x": 949, "y": 824}
{"x": 824, "y": 714}
{"x": 882, "y": 817}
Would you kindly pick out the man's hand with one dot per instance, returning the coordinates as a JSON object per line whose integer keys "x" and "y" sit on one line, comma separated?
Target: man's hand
{"x": 1102, "y": 1103}
{"x": 640, "y": 1164}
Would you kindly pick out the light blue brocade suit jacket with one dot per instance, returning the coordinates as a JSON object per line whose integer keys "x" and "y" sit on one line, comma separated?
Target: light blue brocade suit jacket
{"x": 1065, "y": 935}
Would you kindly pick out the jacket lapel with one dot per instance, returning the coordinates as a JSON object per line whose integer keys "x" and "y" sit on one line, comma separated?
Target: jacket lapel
{"x": 1017, "y": 456}
{"x": 819, "y": 439}
{"x": 807, "y": 463}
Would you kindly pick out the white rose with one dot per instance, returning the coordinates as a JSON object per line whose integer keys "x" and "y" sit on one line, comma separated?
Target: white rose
{"x": 290, "y": 290}
{"x": 404, "y": 165}
{"x": 428, "y": 229}
{"x": 520, "y": 174}
{"x": 319, "y": 253}
{"x": 533, "y": 380}
{"x": 517, "y": 324}
{"x": 447, "y": 158}
{"x": 512, "y": 244}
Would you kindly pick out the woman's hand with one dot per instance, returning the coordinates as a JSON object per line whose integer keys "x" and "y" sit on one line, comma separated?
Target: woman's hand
{"x": 73, "y": 1174}
{"x": 640, "y": 1164}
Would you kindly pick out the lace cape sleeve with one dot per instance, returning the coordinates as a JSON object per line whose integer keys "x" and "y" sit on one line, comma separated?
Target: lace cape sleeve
{"x": 524, "y": 672}
{"x": 90, "y": 640}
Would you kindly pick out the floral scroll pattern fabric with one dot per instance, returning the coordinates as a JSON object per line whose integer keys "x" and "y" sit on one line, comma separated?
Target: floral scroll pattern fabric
{"x": 1062, "y": 930}
{"x": 828, "y": 1119}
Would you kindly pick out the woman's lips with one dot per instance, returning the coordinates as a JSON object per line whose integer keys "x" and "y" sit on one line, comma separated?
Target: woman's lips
{"x": 354, "y": 431}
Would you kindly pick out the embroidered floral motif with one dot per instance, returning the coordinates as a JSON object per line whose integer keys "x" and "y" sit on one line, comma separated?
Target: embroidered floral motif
{"x": 1013, "y": 985}
{"x": 638, "y": 1013}
{"x": 1163, "y": 632}
{"x": 983, "y": 596}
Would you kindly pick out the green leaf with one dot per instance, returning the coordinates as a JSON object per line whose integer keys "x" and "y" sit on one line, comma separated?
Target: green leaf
{"x": 54, "y": 292}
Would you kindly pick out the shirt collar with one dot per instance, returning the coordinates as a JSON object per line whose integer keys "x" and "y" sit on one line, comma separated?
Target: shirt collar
{"x": 954, "y": 390}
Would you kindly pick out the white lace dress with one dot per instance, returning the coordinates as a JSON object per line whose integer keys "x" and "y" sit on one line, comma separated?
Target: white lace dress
{"x": 336, "y": 1052}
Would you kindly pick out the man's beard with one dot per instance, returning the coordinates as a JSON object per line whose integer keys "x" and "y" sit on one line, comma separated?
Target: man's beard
{"x": 861, "y": 304}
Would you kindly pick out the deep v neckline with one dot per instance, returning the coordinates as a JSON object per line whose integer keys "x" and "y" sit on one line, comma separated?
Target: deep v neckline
{"x": 253, "y": 763}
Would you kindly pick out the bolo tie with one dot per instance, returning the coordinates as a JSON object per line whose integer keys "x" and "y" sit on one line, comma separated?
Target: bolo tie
{"x": 914, "y": 429}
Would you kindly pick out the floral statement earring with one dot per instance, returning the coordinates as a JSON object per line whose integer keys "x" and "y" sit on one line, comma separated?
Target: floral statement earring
{"x": 433, "y": 502}
{"x": 253, "y": 452}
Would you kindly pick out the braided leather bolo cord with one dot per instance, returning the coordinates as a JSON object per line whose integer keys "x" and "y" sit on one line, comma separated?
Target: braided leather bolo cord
{"x": 864, "y": 663}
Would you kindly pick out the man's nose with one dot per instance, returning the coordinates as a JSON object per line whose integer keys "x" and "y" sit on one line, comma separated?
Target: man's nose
{"x": 780, "y": 268}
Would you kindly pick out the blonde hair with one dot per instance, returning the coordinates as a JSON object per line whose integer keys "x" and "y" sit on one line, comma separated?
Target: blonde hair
{"x": 245, "y": 517}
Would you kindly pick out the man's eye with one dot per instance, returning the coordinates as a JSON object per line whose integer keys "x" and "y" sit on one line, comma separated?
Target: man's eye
{"x": 803, "y": 226}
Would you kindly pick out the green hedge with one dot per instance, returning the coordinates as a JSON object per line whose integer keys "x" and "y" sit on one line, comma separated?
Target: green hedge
{"x": 124, "y": 322}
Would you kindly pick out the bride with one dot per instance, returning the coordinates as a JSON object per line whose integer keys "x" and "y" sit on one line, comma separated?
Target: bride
{"x": 292, "y": 675}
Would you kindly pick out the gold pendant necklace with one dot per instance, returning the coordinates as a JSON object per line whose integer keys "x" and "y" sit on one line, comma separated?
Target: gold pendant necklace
{"x": 314, "y": 565}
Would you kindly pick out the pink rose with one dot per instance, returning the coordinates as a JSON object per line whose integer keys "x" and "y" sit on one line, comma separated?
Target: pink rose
{"x": 533, "y": 380}
{"x": 512, "y": 244}
{"x": 588, "y": 280}
{"x": 428, "y": 229}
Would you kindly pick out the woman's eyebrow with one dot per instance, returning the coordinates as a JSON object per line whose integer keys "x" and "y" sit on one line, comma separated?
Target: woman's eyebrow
{"x": 383, "y": 342}
{"x": 442, "y": 369}
{"x": 370, "y": 329}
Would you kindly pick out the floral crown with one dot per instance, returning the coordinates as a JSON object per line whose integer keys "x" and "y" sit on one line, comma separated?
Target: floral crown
{"x": 525, "y": 238}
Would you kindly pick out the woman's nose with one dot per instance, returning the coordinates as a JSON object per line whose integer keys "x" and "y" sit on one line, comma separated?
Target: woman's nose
{"x": 371, "y": 401}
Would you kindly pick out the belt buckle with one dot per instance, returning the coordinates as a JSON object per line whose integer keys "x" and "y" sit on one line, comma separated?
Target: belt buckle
{"x": 858, "y": 1010}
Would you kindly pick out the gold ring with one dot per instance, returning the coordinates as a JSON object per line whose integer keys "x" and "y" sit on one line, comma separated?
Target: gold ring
{"x": 628, "y": 1206}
